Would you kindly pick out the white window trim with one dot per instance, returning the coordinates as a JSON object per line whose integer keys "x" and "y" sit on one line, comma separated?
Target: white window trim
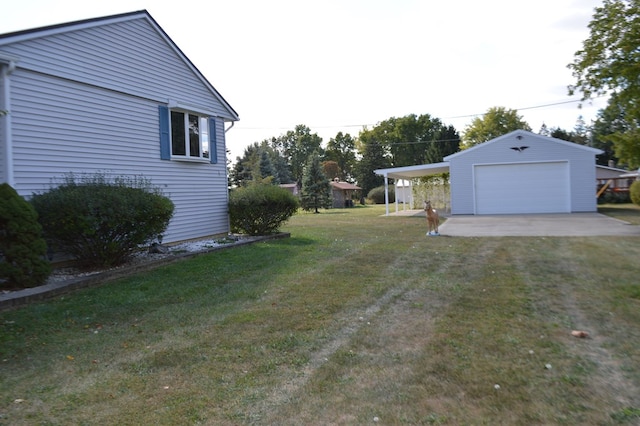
{"x": 188, "y": 158}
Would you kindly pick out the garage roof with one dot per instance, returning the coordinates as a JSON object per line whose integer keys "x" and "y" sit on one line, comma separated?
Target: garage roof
{"x": 411, "y": 172}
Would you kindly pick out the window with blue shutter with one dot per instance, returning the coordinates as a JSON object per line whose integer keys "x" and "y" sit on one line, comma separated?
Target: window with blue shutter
{"x": 187, "y": 136}
{"x": 165, "y": 140}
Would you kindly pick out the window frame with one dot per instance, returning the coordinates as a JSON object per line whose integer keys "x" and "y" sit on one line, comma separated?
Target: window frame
{"x": 206, "y": 126}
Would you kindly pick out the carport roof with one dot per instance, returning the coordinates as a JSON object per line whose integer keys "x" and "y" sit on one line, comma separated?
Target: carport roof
{"x": 411, "y": 172}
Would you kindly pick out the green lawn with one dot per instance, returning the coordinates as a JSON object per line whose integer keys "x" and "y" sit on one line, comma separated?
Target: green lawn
{"x": 627, "y": 212}
{"x": 356, "y": 316}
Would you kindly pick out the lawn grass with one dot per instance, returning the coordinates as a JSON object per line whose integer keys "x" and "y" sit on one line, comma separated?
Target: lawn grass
{"x": 627, "y": 212}
{"x": 356, "y": 316}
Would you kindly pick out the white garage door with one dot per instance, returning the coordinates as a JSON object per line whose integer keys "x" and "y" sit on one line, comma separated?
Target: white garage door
{"x": 522, "y": 188}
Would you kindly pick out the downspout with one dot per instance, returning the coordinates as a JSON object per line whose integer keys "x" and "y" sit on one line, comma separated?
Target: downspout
{"x": 233, "y": 123}
{"x": 7, "y": 69}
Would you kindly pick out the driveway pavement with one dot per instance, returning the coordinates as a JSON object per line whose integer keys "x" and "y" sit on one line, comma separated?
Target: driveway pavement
{"x": 552, "y": 225}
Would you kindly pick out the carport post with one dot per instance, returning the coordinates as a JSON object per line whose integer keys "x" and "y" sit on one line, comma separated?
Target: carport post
{"x": 395, "y": 191}
{"x": 386, "y": 194}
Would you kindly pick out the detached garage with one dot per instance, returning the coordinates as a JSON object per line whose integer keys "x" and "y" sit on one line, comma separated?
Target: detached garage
{"x": 517, "y": 173}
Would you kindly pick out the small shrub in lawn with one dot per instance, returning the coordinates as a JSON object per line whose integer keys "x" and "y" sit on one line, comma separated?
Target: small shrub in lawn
{"x": 377, "y": 195}
{"x": 102, "y": 221}
{"x": 23, "y": 251}
{"x": 634, "y": 192}
{"x": 614, "y": 198}
{"x": 260, "y": 209}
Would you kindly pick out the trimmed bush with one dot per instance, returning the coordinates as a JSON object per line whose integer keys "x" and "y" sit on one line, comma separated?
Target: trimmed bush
{"x": 634, "y": 192}
{"x": 614, "y": 198}
{"x": 377, "y": 195}
{"x": 23, "y": 251}
{"x": 260, "y": 209}
{"x": 100, "y": 221}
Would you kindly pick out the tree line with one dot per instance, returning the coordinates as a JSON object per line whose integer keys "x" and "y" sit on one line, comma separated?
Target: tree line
{"x": 395, "y": 142}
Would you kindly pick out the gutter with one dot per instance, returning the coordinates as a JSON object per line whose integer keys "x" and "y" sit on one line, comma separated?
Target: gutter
{"x": 8, "y": 65}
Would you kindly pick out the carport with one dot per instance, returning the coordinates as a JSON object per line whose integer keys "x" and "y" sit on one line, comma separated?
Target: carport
{"x": 408, "y": 173}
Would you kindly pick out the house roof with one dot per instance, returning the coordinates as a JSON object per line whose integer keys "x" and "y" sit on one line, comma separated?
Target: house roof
{"x": 344, "y": 185}
{"x": 106, "y": 20}
{"x": 523, "y": 133}
{"x": 612, "y": 169}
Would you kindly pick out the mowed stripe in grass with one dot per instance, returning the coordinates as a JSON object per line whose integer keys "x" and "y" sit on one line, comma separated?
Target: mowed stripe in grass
{"x": 355, "y": 316}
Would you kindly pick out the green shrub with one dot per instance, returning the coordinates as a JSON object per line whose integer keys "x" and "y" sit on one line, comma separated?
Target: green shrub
{"x": 260, "y": 209}
{"x": 23, "y": 251}
{"x": 634, "y": 192}
{"x": 102, "y": 221}
{"x": 614, "y": 198}
{"x": 377, "y": 195}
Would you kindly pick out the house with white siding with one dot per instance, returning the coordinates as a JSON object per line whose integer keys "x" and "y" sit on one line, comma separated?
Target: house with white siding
{"x": 115, "y": 95}
{"x": 517, "y": 173}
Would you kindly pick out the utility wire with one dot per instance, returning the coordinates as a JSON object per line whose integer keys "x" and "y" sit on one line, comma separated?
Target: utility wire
{"x": 444, "y": 118}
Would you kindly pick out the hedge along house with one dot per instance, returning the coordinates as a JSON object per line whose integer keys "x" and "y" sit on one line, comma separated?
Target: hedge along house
{"x": 115, "y": 95}
{"x": 520, "y": 172}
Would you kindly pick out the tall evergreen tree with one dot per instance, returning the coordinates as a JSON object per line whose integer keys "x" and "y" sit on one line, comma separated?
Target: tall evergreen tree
{"x": 266, "y": 168}
{"x": 259, "y": 161}
{"x": 316, "y": 189}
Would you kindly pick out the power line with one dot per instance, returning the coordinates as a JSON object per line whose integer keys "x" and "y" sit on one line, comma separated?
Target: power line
{"x": 444, "y": 118}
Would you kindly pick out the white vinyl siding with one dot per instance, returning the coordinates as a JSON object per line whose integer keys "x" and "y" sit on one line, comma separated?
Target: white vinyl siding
{"x": 522, "y": 188}
{"x": 579, "y": 177}
{"x": 87, "y": 101}
{"x": 105, "y": 56}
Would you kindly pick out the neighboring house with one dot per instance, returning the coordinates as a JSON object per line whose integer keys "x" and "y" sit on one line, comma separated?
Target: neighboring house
{"x": 291, "y": 187}
{"x": 115, "y": 95}
{"x": 343, "y": 193}
{"x": 613, "y": 179}
{"x": 520, "y": 172}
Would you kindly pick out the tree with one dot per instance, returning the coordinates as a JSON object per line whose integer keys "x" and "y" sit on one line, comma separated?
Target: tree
{"x": 413, "y": 139}
{"x": 259, "y": 161}
{"x": 341, "y": 149}
{"x": 446, "y": 143}
{"x": 266, "y": 168}
{"x": 373, "y": 157}
{"x": 608, "y": 122}
{"x": 608, "y": 64}
{"x": 581, "y": 133}
{"x": 296, "y": 146}
{"x": 497, "y": 121}
{"x": 331, "y": 169}
{"x": 242, "y": 171}
{"x": 544, "y": 130}
{"x": 316, "y": 189}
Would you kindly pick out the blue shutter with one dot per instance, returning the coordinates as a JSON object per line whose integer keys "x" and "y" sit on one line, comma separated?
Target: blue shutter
{"x": 165, "y": 140}
{"x": 213, "y": 141}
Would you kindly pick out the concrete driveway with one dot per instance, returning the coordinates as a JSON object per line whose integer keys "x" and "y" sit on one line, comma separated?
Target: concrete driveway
{"x": 542, "y": 225}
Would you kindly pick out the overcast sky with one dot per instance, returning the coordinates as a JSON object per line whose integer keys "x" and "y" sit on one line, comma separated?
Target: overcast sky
{"x": 339, "y": 65}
